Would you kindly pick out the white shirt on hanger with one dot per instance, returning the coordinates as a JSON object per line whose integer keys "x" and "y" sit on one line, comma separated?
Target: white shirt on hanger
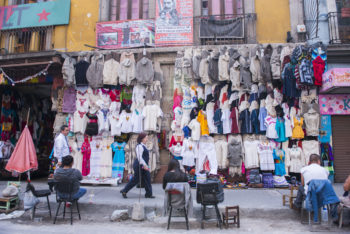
{"x": 151, "y": 114}
{"x": 126, "y": 123}
{"x": 137, "y": 121}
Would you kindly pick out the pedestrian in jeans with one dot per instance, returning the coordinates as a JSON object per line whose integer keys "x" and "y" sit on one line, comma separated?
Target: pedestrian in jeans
{"x": 141, "y": 168}
{"x": 67, "y": 173}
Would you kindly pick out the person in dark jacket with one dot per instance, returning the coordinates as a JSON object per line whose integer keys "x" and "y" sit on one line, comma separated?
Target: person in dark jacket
{"x": 67, "y": 173}
{"x": 141, "y": 168}
{"x": 174, "y": 173}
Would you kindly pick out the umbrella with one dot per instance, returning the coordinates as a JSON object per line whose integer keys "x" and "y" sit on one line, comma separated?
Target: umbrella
{"x": 23, "y": 158}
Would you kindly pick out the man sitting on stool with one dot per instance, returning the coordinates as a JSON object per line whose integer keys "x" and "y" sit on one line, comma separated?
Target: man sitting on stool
{"x": 313, "y": 171}
{"x": 67, "y": 173}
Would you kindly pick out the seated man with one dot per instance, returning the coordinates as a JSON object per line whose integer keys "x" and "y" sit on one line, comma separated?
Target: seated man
{"x": 67, "y": 173}
{"x": 313, "y": 171}
{"x": 345, "y": 199}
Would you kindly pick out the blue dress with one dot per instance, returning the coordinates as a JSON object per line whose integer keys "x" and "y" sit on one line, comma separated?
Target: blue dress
{"x": 118, "y": 159}
{"x": 279, "y": 157}
{"x": 281, "y": 130}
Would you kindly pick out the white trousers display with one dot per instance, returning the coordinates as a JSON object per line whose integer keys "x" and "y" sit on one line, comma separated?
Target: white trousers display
{"x": 221, "y": 153}
{"x": 207, "y": 150}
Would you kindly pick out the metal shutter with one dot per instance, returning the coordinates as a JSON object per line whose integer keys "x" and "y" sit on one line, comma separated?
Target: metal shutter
{"x": 341, "y": 147}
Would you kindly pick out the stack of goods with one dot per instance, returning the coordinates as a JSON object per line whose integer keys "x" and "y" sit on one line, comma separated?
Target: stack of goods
{"x": 105, "y": 103}
{"x": 237, "y": 110}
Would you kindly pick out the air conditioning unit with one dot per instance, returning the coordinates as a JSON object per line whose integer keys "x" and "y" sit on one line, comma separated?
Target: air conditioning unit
{"x": 301, "y": 28}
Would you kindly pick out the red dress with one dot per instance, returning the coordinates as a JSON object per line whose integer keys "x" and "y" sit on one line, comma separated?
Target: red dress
{"x": 86, "y": 151}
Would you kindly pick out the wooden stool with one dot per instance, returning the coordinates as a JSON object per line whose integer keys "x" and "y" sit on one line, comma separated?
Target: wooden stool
{"x": 8, "y": 204}
{"x": 231, "y": 213}
{"x": 290, "y": 198}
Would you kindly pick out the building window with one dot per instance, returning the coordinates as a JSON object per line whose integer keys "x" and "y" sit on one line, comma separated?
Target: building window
{"x": 26, "y": 40}
{"x": 128, "y": 9}
{"x": 222, "y": 7}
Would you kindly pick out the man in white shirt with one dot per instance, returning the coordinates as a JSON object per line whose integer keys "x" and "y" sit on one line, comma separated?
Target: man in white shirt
{"x": 61, "y": 147}
{"x": 314, "y": 171}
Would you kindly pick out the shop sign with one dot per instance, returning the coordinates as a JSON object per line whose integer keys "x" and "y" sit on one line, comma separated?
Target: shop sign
{"x": 336, "y": 77}
{"x": 335, "y": 104}
{"x": 35, "y": 14}
{"x": 125, "y": 34}
{"x": 174, "y": 22}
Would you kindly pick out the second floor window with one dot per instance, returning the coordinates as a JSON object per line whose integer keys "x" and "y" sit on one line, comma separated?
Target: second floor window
{"x": 128, "y": 9}
{"x": 222, "y": 7}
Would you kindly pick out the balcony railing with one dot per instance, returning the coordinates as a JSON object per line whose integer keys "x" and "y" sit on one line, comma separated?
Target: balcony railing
{"x": 339, "y": 27}
{"x": 26, "y": 40}
{"x": 222, "y": 29}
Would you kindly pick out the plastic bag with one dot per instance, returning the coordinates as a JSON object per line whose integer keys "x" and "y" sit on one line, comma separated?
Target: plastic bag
{"x": 10, "y": 191}
{"x": 30, "y": 200}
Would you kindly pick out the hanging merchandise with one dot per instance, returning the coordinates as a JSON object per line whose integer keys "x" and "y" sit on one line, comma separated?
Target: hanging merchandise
{"x": 102, "y": 107}
{"x": 279, "y": 157}
{"x": 118, "y": 159}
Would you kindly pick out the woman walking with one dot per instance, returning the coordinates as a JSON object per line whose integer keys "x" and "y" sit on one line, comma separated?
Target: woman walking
{"x": 140, "y": 166}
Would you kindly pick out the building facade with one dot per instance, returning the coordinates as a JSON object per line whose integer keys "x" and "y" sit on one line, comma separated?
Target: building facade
{"x": 244, "y": 25}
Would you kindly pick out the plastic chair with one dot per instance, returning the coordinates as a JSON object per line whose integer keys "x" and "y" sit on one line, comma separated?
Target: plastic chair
{"x": 342, "y": 207}
{"x": 66, "y": 187}
{"x": 39, "y": 193}
{"x": 174, "y": 195}
{"x": 207, "y": 195}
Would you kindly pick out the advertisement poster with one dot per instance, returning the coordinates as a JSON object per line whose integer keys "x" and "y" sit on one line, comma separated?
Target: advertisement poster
{"x": 174, "y": 22}
{"x": 335, "y": 104}
{"x": 125, "y": 34}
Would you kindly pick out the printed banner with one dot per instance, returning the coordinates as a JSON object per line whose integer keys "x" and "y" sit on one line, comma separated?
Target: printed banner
{"x": 225, "y": 28}
{"x": 336, "y": 77}
{"x": 325, "y": 129}
{"x": 124, "y": 34}
{"x": 35, "y": 14}
{"x": 174, "y": 22}
{"x": 335, "y": 104}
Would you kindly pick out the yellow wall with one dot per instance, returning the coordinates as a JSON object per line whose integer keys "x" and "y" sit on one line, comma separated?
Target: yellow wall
{"x": 273, "y": 20}
{"x": 81, "y": 28}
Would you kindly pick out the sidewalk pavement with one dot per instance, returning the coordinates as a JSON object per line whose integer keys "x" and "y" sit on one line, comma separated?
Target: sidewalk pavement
{"x": 100, "y": 201}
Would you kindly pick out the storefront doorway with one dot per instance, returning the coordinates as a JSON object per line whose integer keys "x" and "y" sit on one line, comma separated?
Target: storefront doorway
{"x": 341, "y": 146}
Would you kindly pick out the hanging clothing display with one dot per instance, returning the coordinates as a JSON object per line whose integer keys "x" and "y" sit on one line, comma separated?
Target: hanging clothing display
{"x": 265, "y": 151}
{"x": 151, "y": 113}
{"x": 279, "y": 157}
{"x": 295, "y": 159}
{"x": 188, "y": 152}
{"x": 92, "y": 125}
{"x": 106, "y": 157}
{"x": 95, "y": 158}
{"x": 251, "y": 159}
{"x": 298, "y": 132}
{"x": 86, "y": 151}
{"x": 103, "y": 120}
{"x": 118, "y": 159}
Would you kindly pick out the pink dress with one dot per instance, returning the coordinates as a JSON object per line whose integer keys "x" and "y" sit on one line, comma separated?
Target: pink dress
{"x": 86, "y": 151}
